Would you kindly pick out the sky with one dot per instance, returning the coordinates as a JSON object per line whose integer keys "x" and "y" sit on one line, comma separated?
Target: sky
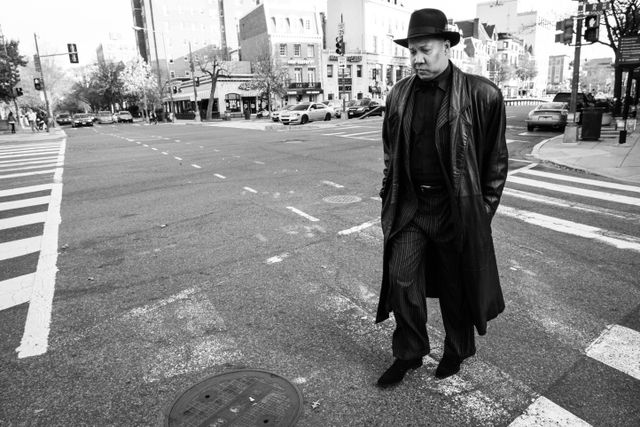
{"x": 87, "y": 22}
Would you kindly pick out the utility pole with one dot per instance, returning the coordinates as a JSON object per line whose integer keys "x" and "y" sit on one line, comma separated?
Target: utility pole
{"x": 50, "y": 121}
{"x": 571, "y": 131}
{"x": 155, "y": 43}
{"x": 193, "y": 82}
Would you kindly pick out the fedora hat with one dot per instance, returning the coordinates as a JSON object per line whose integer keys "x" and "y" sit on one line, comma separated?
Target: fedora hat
{"x": 429, "y": 23}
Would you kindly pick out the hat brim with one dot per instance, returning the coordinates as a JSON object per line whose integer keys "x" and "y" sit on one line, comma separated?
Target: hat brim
{"x": 452, "y": 36}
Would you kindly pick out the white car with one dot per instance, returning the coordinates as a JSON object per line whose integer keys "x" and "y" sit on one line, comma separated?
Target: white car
{"x": 306, "y": 112}
{"x": 275, "y": 116}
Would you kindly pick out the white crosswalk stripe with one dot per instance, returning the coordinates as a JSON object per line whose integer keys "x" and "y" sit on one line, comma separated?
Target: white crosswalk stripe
{"x": 21, "y": 207}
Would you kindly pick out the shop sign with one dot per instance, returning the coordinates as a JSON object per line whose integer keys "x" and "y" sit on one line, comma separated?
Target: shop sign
{"x": 629, "y": 51}
{"x": 354, "y": 58}
{"x": 298, "y": 62}
{"x": 342, "y": 62}
{"x": 333, "y": 57}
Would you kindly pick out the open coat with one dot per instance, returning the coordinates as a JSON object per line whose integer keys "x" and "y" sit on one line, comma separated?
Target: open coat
{"x": 476, "y": 164}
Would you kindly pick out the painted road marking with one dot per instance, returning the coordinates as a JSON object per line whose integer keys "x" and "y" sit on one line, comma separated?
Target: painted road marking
{"x": 18, "y": 221}
{"x": 219, "y": 176}
{"x": 249, "y": 189}
{"x": 351, "y": 135}
{"x": 302, "y": 214}
{"x": 145, "y": 145}
{"x": 196, "y": 166}
{"x": 277, "y": 258}
{"x": 333, "y": 134}
{"x": 618, "y": 347}
{"x": 25, "y": 190}
{"x": 16, "y": 248}
{"x": 524, "y": 168}
{"x": 601, "y": 195}
{"x": 35, "y": 339}
{"x": 40, "y": 160}
{"x": 534, "y": 197}
{"x": 618, "y": 240}
{"x": 359, "y": 227}
{"x": 258, "y": 162}
{"x": 29, "y": 149}
{"x": 138, "y": 311}
{"x": 176, "y": 140}
{"x": 177, "y": 158}
{"x": 594, "y": 182}
{"x": 25, "y": 168}
{"x": 16, "y": 291}
{"x": 23, "y": 203}
{"x": 154, "y": 148}
{"x": 165, "y": 153}
{"x": 543, "y": 412}
{"x": 333, "y": 184}
{"x": 32, "y": 154}
{"x": 18, "y": 175}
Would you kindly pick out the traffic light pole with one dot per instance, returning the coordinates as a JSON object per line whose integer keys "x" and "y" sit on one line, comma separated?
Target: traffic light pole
{"x": 50, "y": 120}
{"x": 193, "y": 81}
{"x": 571, "y": 131}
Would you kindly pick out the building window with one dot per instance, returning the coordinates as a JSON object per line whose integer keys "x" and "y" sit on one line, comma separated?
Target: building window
{"x": 273, "y": 22}
{"x": 232, "y": 101}
{"x": 347, "y": 71}
{"x": 187, "y": 73}
{"x": 172, "y": 74}
{"x": 296, "y": 50}
{"x": 358, "y": 70}
{"x": 330, "y": 96}
{"x": 311, "y": 51}
{"x": 330, "y": 70}
{"x": 311, "y": 75}
{"x": 297, "y": 75}
{"x": 283, "y": 49}
{"x": 308, "y": 24}
{"x": 288, "y": 25}
{"x": 375, "y": 44}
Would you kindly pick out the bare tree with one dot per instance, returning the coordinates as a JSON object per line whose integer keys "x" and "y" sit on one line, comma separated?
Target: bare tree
{"x": 212, "y": 63}
{"x": 621, "y": 19}
{"x": 269, "y": 77}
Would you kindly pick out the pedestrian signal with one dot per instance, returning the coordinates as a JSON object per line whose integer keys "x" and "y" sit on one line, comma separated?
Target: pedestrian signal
{"x": 37, "y": 83}
{"x": 592, "y": 28}
{"x": 73, "y": 53}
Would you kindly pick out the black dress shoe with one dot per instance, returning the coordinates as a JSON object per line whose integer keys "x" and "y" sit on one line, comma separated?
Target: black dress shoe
{"x": 396, "y": 372}
{"x": 449, "y": 365}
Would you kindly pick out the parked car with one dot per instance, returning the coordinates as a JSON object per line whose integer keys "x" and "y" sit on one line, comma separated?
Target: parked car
{"x": 581, "y": 100}
{"x": 105, "y": 117}
{"x": 364, "y": 106}
{"x": 275, "y": 116}
{"x": 305, "y": 112}
{"x": 336, "y": 106}
{"x": 82, "y": 119}
{"x": 63, "y": 119}
{"x": 548, "y": 115}
{"x": 124, "y": 116}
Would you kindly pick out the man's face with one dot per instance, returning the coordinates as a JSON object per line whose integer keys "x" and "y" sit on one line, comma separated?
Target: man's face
{"x": 429, "y": 56}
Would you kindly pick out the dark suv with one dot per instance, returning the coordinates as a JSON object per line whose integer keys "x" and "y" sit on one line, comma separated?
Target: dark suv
{"x": 365, "y": 106}
{"x": 581, "y": 100}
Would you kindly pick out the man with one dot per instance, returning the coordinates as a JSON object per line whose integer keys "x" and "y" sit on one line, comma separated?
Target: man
{"x": 445, "y": 159}
{"x": 31, "y": 117}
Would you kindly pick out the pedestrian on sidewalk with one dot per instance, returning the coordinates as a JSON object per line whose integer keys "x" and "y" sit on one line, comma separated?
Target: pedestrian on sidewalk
{"x": 31, "y": 117}
{"x": 445, "y": 165}
{"x": 12, "y": 121}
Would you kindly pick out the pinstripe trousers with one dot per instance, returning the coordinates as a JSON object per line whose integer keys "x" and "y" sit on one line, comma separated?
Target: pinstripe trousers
{"x": 425, "y": 244}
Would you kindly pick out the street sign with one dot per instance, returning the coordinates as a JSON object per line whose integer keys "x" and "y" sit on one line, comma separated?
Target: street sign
{"x": 342, "y": 61}
{"x": 629, "y": 51}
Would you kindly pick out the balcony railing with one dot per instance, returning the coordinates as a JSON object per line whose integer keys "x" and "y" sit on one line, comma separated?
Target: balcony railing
{"x": 305, "y": 85}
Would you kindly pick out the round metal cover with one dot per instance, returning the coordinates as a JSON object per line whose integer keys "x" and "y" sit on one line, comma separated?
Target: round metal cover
{"x": 245, "y": 397}
{"x": 342, "y": 199}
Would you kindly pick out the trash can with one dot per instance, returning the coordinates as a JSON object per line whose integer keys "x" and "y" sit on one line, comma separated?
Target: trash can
{"x": 591, "y": 123}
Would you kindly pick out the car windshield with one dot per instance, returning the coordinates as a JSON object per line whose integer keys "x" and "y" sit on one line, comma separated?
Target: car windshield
{"x": 124, "y": 113}
{"x": 364, "y": 102}
{"x": 288, "y": 108}
{"x": 104, "y": 114}
{"x": 551, "y": 106}
{"x": 63, "y": 116}
{"x": 300, "y": 107}
{"x": 81, "y": 116}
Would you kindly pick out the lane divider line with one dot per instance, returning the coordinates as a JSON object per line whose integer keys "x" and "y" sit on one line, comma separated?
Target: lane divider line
{"x": 250, "y": 190}
{"x": 359, "y": 227}
{"x": 302, "y": 214}
{"x": 219, "y": 176}
{"x": 277, "y": 258}
{"x": 196, "y": 166}
{"x": 333, "y": 184}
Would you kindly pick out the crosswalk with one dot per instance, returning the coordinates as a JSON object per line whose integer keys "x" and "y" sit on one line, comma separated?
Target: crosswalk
{"x": 30, "y": 197}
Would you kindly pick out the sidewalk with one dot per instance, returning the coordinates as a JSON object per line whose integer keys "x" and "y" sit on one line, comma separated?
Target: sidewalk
{"x": 26, "y": 135}
{"x": 604, "y": 157}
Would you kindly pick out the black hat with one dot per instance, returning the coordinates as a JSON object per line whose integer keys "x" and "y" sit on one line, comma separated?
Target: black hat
{"x": 429, "y": 22}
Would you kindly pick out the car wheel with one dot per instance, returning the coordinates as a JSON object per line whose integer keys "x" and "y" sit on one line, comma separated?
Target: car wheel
{"x": 304, "y": 120}
{"x": 327, "y": 117}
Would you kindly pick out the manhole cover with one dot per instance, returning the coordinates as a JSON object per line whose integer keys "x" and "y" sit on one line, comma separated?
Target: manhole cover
{"x": 342, "y": 199}
{"x": 244, "y": 397}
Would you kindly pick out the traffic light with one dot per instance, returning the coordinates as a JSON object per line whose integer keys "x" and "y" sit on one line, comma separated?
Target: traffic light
{"x": 197, "y": 79}
{"x": 566, "y": 26}
{"x": 19, "y": 91}
{"x": 37, "y": 83}
{"x": 175, "y": 89}
{"x": 592, "y": 28}
{"x": 340, "y": 45}
{"x": 73, "y": 53}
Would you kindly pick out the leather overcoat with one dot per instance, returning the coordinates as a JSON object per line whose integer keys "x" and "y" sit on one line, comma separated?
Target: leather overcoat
{"x": 473, "y": 151}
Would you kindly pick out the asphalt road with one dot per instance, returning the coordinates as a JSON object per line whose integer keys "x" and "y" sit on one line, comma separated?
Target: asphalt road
{"x": 186, "y": 251}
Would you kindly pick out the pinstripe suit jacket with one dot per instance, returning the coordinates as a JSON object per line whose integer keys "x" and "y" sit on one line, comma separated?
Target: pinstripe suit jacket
{"x": 476, "y": 164}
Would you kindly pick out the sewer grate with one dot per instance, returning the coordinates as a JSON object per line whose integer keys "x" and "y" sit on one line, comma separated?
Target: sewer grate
{"x": 245, "y": 397}
{"x": 342, "y": 199}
